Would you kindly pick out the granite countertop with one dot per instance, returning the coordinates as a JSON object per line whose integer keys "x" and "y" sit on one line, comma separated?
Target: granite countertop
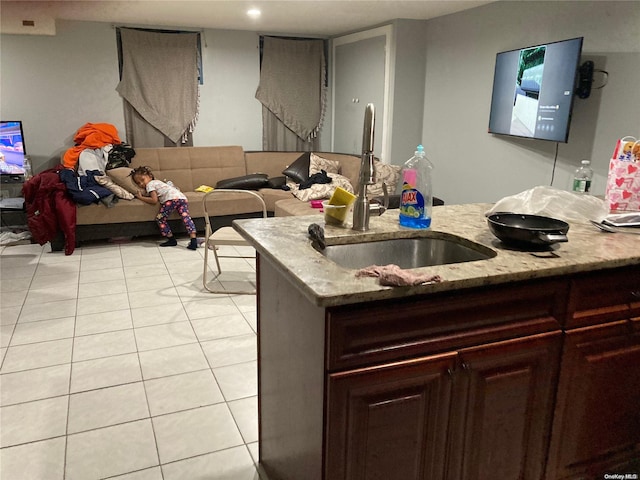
{"x": 284, "y": 242}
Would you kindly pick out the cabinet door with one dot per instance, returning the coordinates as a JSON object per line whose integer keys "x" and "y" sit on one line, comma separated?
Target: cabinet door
{"x": 389, "y": 422}
{"x": 597, "y": 421}
{"x": 504, "y": 402}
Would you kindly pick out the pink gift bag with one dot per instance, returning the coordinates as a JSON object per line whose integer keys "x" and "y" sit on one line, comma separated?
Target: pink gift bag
{"x": 623, "y": 181}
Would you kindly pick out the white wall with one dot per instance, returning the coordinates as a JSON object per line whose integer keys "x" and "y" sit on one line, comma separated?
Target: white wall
{"x": 229, "y": 111}
{"x": 474, "y": 166}
{"x": 407, "y": 96}
{"x": 55, "y": 84}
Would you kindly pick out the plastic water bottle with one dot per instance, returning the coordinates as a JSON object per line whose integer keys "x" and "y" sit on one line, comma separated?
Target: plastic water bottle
{"x": 582, "y": 178}
{"x": 26, "y": 165}
{"x": 416, "y": 199}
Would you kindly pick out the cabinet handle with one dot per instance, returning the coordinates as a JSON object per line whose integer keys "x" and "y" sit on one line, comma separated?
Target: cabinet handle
{"x": 450, "y": 372}
{"x": 635, "y": 293}
{"x": 465, "y": 366}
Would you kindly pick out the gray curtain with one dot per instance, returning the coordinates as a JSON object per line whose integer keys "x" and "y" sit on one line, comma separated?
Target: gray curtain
{"x": 159, "y": 86}
{"x": 277, "y": 136}
{"x": 293, "y": 93}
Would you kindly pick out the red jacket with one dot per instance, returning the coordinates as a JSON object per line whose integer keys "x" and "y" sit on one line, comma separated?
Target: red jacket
{"x": 50, "y": 209}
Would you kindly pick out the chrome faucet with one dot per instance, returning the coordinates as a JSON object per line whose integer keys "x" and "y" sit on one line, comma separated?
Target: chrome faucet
{"x": 362, "y": 208}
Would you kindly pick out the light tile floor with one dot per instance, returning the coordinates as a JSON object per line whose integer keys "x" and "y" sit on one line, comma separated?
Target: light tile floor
{"x": 117, "y": 364}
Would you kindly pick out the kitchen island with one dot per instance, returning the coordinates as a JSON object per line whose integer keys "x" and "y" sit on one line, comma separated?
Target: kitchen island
{"x": 520, "y": 366}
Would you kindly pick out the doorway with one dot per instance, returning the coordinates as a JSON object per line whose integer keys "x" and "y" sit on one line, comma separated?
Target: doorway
{"x": 360, "y": 76}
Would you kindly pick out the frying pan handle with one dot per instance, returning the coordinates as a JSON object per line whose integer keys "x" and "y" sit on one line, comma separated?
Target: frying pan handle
{"x": 552, "y": 237}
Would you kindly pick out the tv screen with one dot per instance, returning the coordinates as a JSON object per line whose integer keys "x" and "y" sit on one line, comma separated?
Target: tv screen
{"x": 533, "y": 90}
{"x": 12, "y": 149}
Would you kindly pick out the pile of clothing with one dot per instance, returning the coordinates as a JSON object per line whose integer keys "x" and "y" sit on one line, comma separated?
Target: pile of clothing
{"x": 51, "y": 196}
{"x": 88, "y": 159}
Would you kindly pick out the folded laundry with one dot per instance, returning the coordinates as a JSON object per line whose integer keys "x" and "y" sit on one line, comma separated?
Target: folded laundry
{"x": 394, "y": 276}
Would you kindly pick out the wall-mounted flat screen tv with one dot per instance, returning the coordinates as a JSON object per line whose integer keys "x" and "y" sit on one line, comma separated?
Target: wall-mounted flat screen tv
{"x": 533, "y": 90}
{"x": 12, "y": 149}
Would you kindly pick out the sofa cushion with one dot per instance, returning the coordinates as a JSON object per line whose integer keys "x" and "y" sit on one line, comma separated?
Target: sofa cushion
{"x": 293, "y": 206}
{"x": 385, "y": 173}
{"x": 189, "y": 167}
{"x": 123, "y": 212}
{"x": 272, "y": 195}
{"x": 298, "y": 171}
{"x": 318, "y": 163}
{"x": 253, "y": 181}
{"x": 122, "y": 177}
{"x": 349, "y": 167}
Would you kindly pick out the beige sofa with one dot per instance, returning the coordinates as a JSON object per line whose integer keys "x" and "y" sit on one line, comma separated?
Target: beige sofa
{"x": 190, "y": 167}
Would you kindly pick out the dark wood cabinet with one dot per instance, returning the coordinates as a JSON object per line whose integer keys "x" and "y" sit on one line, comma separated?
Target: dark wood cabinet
{"x": 598, "y": 405}
{"x": 533, "y": 380}
{"x": 480, "y": 413}
{"x": 390, "y": 421}
{"x": 508, "y": 390}
{"x": 596, "y": 427}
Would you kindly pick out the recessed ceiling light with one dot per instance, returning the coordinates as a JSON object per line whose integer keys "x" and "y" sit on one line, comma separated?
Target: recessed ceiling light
{"x": 254, "y": 13}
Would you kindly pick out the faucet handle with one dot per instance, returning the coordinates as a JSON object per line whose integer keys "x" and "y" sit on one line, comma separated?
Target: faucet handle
{"x": 386, "y": 195}
{"x": 380, "y": 209}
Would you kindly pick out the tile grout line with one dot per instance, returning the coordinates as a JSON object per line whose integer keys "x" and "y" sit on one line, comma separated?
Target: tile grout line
{"x": 73, "y": 343}
{"x": 142, "y": 378}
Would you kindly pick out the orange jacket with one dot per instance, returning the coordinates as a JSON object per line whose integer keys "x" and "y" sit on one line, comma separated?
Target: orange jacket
{"x": 90, "y": 135}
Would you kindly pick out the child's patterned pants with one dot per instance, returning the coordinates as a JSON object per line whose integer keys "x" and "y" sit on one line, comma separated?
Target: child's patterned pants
{"x": 182, "y": 206}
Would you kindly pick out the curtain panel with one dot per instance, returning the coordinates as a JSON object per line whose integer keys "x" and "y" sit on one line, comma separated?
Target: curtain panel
{"x": 293, "y": 92}
{"x": 160, "y": 82}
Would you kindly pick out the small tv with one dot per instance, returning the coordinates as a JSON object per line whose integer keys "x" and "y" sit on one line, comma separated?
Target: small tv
{"x": 533, "y": 90}
{"x": 12, "y": 149}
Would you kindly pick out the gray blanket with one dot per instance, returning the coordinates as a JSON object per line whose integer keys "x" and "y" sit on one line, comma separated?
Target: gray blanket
{"x": 160, "y": 79}
{"x": 292, "y": 83}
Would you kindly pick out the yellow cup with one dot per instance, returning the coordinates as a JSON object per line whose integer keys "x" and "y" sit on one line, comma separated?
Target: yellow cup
{"x": 336, "y": 209}
{"x": 334, "y": 214}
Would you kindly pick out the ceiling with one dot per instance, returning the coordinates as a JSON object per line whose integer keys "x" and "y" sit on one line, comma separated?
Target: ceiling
{"x": 309, "y": 17}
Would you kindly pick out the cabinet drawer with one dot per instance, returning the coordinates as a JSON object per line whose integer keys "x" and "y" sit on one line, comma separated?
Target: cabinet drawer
{"x": 604, "y": 296}
{"x": 360, "y": 335}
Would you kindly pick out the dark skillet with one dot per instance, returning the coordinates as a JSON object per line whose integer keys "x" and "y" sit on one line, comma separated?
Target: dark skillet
{"x": 524, "y": 230}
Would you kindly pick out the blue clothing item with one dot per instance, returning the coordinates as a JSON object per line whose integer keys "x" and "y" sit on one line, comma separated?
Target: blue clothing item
{"x": 84, "y": 189}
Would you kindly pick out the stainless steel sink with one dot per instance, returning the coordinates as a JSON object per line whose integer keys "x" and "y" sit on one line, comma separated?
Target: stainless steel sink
{"x": 407, "y": 252}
